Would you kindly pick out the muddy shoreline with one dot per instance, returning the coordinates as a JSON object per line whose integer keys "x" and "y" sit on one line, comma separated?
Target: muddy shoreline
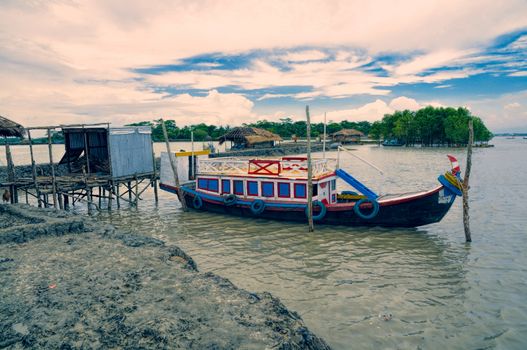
{"x": 69, "y": 282}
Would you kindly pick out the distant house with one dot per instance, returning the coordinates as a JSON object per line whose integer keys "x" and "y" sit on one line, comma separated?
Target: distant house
{"x": 249, "y": 137}
{"x": 347, "y": 136}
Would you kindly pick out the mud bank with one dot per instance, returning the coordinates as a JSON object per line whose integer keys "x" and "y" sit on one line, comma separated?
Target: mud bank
{"x": 76, "y": 284}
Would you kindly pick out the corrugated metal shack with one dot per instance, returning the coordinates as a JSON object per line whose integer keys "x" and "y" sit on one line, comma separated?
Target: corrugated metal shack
{"x": 118, "y": 152}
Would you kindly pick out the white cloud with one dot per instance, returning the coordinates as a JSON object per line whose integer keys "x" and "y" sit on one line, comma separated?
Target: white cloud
{"x": 403, "y": 102}
{"x": 512, "y": 105}
{"x": 434, "y": 59}
{"x": 500, "y": 119}
{"x": 302, "y": 56}
{"x": 519, "y": 74}
{"x": 371, "y": 111}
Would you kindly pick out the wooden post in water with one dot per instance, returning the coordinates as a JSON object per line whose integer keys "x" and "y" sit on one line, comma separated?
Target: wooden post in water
{"x": 465, "y": 187}
{"x": 52, "y": 165}
{"x": 309, "y": 175}
{"x": 180, "y": 194}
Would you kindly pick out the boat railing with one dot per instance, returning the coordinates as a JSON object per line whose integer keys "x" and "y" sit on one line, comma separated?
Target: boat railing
{"x": 285, "y": 167}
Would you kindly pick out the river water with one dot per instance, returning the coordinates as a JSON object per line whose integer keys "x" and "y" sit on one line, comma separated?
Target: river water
{"x": 440, "y": 292}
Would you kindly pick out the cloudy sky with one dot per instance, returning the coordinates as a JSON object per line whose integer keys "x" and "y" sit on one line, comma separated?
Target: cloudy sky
{"x": 230, "y": 62}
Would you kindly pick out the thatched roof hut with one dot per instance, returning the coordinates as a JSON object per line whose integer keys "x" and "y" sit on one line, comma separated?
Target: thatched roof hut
{"x": 250, "y": 137}
{"x": 347, "y": 135}
{"x": 10, "y": 128}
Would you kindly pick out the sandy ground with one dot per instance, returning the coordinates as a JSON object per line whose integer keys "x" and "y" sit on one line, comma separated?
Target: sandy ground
{"x": 67, "y": 282}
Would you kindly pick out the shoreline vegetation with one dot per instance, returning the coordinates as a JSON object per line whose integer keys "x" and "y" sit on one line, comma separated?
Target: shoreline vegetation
{"x": 427, "y": 127}
{"x": 102, "y": 287}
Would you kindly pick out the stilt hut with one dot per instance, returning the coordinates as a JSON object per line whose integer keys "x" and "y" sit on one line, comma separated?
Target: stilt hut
{"x": 249, "y": 137}
{"x": 347, "y": 136}
{"x": 9, "y": 128}
{"x": 119, "y": 152}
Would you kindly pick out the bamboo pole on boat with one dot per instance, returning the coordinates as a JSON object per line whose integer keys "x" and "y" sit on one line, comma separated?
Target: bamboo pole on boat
{"x": 309, "y": 175}
{"x": 324, "y": 139}
{"x": 465, "y": 187}
{"x": 180, "y": 194}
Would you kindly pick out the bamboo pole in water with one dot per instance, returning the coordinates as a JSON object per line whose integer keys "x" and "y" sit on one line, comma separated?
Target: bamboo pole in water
{"x": 465, "y": 187}
{"x": 309, "y": 175}
{"x": 180, "y": 194}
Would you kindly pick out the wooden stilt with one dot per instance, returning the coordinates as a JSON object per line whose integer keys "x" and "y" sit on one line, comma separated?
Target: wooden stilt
{"x": 10, "y": 171}
{"x": 154, "y": 180}
{"x": 129, "y": 185}
{"x": 309, "y": 175}
{"x": 110, "y": 195}
{"x": 136, "y": 201}
{"x": 52, "y": 165}
{"x": 34, "y": 169}
{"x": 117, "y": 195}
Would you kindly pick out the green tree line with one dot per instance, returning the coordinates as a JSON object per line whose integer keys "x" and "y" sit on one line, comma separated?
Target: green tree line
{"x": 430, "y": 126}
{"x": 202, "y": 131}
{"x": 427, "y": 126}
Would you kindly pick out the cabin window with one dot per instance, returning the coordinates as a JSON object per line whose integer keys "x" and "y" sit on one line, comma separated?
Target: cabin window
{"x": 202, "y": 184}
{"x": 315, "y": 190}
{"x": 252, "y": 188}
{"x": 214, "y": 185}
{"x": 208, "y": 184}
{"x": 333, "y": 185}
{"x": 333, "y": 198}
{"x": 284, "y": 190}
{"x": 300, "y": 190}
{"x": 238, "y": 187}
{"x": 225, "y": 186}
{"x": 267, "y": 189}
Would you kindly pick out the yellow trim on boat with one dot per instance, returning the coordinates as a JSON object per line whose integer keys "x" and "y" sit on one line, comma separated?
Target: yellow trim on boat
{"x": 196, "y": 153}
{"x": 350, "y": 196}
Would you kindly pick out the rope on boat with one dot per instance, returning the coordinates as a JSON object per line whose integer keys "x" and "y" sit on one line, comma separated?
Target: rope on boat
{"x": 361, "y": 159}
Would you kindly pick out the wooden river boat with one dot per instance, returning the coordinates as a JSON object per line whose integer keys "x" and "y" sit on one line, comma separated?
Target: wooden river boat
{"x": 277, "y": 189}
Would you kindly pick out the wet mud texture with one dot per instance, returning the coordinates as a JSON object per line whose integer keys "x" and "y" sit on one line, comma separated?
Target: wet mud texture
{"x": 96, "y": 287}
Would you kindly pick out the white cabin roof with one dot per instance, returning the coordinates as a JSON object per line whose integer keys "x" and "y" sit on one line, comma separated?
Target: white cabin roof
{"x": 285, "y": 167}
